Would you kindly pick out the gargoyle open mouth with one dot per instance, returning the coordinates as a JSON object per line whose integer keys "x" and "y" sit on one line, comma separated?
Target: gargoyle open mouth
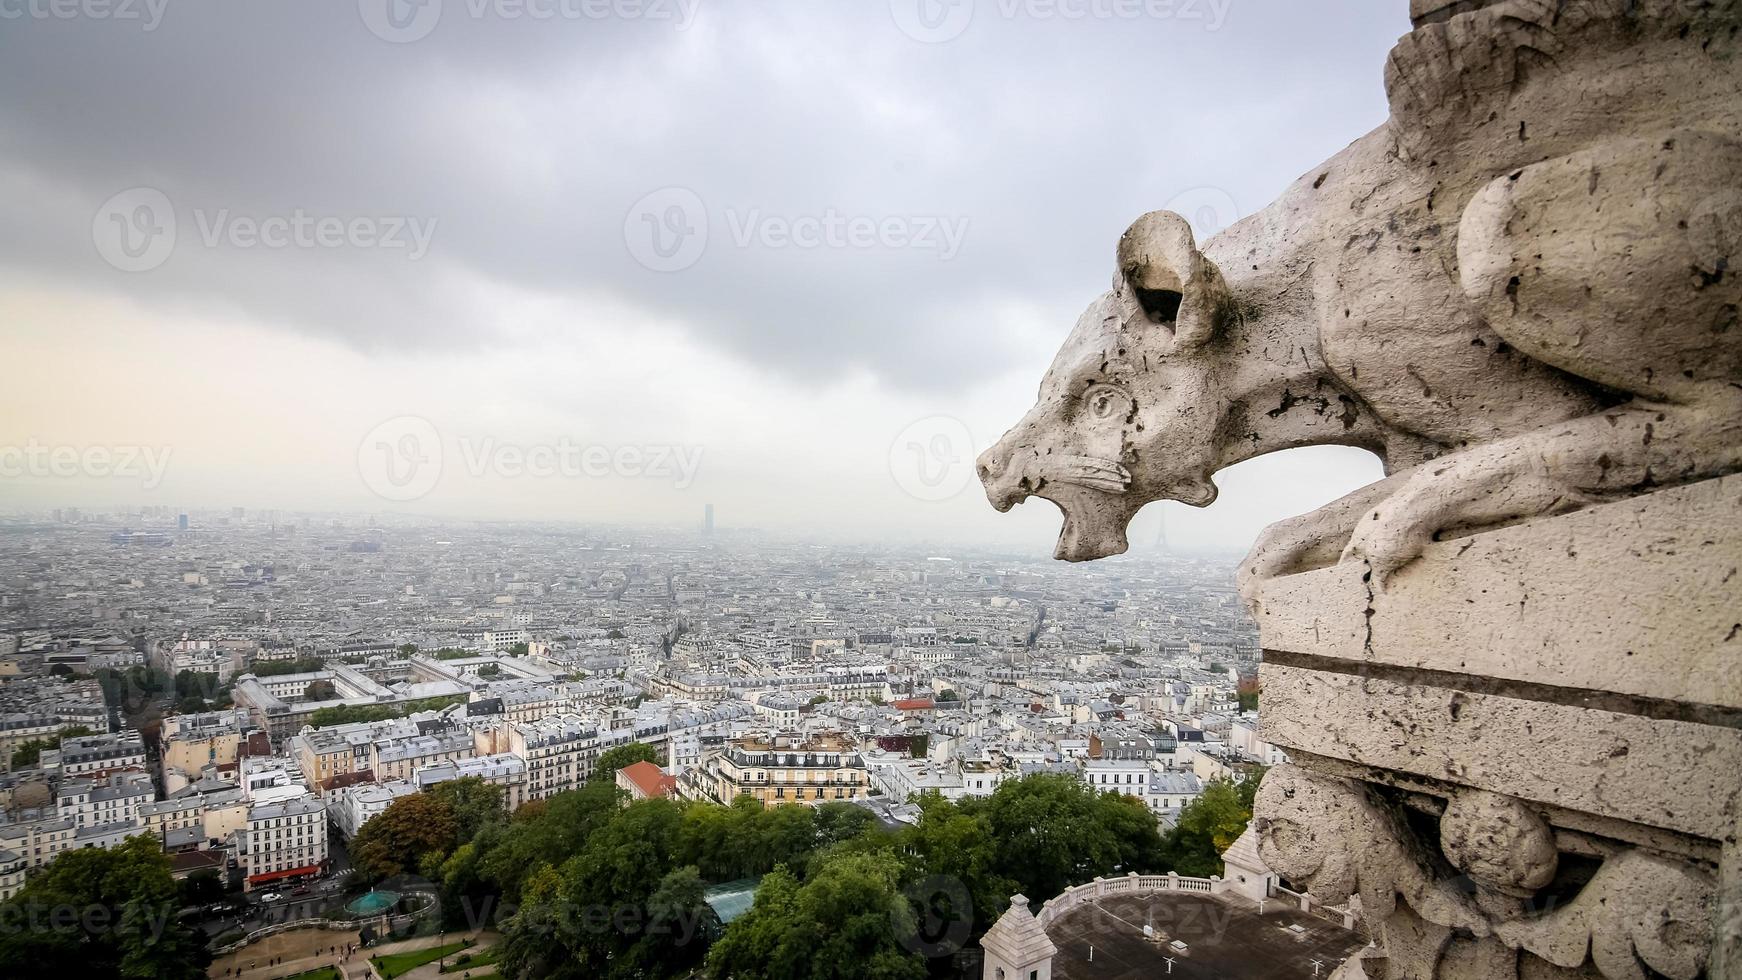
{"x": 1089, "y": 490}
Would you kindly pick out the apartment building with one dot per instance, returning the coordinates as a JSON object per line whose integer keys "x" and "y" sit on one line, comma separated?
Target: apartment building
{"x": 505, "y": 770}
{"x": 781, "y": 769}
{"x": 400, "y": 759}
{"x": 351, "y": 807}
{"x": 283, "y": 841}
{"x": 37, "y": 842}
{"x": 96, "y": 755}
{"x": 558, "y": 751}
{"x": 96, "y": 802}
{"x": 160, "y": 818}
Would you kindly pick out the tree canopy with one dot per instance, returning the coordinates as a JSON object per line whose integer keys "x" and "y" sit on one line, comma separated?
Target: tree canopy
{"x": 101, "y": 913}
{"x": 587, "y": 883}
{"x": 1209, "y": 825}
{"x": 397, "y": 840}
{"x": 29, "y": 753}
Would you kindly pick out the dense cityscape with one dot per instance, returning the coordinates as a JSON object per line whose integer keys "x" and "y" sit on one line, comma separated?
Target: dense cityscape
{"x": 249, "y": 691}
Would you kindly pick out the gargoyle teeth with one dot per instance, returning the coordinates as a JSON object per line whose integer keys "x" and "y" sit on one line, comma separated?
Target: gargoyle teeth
{"x": 1091, "y": 472}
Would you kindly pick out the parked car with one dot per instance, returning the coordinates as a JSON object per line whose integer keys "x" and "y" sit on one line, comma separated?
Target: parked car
{"x": 300, "y": 890}
{"x": 271, "y": 897}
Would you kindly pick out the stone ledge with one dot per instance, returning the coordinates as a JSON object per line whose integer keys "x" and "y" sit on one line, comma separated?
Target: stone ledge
{"x": 1640, "y": 598}
{"x": 1673, "y": 775}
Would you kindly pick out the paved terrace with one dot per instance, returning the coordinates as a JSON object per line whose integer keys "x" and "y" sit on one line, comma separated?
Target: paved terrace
{"x": 1227, "y": 939}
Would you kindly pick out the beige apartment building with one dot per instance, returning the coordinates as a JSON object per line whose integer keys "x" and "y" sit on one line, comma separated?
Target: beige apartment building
{"x": 780, "y": 769}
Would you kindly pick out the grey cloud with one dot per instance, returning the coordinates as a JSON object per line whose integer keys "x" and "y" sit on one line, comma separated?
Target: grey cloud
{"x": 529, "y": 141}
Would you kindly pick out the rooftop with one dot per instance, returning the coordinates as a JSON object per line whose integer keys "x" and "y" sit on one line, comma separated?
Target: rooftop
{"x": 1225, "y": 940}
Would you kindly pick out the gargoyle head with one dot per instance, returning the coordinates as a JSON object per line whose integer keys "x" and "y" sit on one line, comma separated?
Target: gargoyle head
{"x": 1127, "y": 412}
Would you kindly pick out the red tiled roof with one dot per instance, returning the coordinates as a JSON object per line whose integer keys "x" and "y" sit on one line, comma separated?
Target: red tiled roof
{"x": 914, "y": 704}
{"x": 649, "y": 780}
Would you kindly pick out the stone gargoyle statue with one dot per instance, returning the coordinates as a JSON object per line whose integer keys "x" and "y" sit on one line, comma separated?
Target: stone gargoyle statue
{"x": 1518, "y": 292}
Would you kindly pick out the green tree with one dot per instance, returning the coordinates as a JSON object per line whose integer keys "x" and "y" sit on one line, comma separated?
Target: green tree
{"x": 201, "y": 888}
{"x": 844, "y": 922}
{"x": 397, "y": 840}
{"x": 837, "y": 822}
{"x": 620, "y": 756}
{"x": 595, "y": 919}
{"x": 1054, "y": 831}
{"x": 29, "y": 753}
{"x": 546, "y": 833}
{"x": 956, "y": 842}
{"x": 1209, "y": 825}
{"x": 473, "y": 802}
{"x": 275, "y": 668}
{"x": 125, "y": 924}
{"x": 1247, "y": 691}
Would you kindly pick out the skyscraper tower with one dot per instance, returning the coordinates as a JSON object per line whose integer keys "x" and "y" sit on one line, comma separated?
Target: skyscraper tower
{"x": 1161, "y": 528}
{"x": 708, "y": 519}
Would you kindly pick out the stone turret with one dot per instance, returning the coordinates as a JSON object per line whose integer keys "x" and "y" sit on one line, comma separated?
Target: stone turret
{"x": 1245, "y": 870}
{"x": 1016, "y": 946}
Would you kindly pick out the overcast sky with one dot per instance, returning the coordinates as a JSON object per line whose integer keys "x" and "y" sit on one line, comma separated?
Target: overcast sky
{"x": 610, "y": 260}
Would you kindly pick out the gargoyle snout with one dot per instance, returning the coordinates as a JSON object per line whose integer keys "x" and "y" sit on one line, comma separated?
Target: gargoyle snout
{"x": 1003, "y": 478}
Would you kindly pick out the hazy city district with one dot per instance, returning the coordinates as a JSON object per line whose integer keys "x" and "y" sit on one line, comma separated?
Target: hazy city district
{"x": 445, "y": 729}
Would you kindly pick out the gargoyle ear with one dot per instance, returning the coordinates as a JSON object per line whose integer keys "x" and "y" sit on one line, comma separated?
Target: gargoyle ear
{"x": 1162, "y": 274}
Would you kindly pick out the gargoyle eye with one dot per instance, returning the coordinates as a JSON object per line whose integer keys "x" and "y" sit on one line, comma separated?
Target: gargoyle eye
{"x": 1106, "y": 401}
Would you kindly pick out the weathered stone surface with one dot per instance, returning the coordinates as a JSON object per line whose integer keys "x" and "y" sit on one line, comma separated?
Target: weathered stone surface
{"x": 1669, "y": 774}
{"x": 1641, "y": 597}
{"x": 1515, "y": 292}
{"x": 1510, "y": 672}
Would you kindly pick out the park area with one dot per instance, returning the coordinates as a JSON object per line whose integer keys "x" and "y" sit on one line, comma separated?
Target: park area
{"x": 320, "y": 954}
